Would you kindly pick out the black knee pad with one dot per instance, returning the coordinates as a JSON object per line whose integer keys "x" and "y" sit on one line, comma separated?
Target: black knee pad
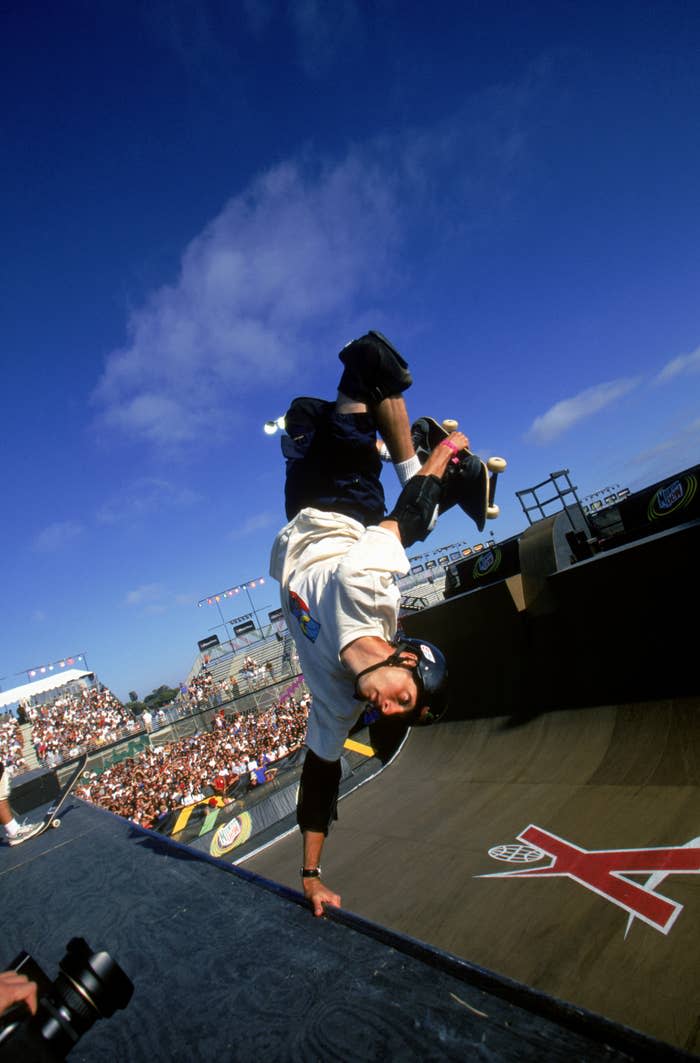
{"x": 374, "y": 369}
{"x": 317, "y": 803}
{"x": 415, "y": 508}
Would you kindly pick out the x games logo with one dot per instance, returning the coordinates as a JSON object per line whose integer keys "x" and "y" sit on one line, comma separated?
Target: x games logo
{"x": 606, "y": 871}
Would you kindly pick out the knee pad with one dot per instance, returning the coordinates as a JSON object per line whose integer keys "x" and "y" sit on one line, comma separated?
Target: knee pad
{"x": 415, "y": 508}
{"x": 317, "y": 803}
{"x": 374, "y": 369}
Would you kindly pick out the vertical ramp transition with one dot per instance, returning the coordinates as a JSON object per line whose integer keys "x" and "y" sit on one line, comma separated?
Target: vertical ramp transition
{"x": 228, "y": 966}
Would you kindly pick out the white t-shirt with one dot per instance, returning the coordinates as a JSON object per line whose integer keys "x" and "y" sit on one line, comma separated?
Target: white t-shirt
{"x": 337, "y": 584}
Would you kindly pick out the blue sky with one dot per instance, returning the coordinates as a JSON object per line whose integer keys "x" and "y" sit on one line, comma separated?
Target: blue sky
{"x": 203, "y": 202}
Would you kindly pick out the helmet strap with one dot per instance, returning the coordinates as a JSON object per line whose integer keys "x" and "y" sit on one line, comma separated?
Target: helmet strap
{"x": 392, "y": 661}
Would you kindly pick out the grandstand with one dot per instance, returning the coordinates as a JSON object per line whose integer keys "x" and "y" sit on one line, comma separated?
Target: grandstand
{"x": 272, "y": 654}
{"x": 45, "y": 687}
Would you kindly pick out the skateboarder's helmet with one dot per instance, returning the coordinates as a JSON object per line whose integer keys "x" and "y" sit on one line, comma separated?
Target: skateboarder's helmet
{"x": 430, "y": 674}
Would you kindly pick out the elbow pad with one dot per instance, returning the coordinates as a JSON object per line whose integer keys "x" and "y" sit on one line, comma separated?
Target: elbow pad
{"x": 317, "y": 803}
{"x": 415, "y": 508}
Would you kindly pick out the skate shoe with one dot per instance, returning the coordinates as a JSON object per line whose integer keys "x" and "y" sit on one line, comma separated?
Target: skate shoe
{"x": 374, "y": 369}
{"x": 26, "y": 830}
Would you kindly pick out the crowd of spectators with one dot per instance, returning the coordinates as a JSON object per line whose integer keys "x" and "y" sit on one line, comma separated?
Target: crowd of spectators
{"x": 147, "y": 787}
{"x": 11, "y": 744}
{"x": 200, "y": 691}
{"x": 77, "y": 720}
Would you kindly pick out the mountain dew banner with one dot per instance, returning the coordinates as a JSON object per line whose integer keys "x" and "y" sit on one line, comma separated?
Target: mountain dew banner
{"x": 664, "y": 504}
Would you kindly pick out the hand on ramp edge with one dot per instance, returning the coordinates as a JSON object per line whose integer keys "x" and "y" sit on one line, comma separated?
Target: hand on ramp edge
{"x": 319, "y": 894}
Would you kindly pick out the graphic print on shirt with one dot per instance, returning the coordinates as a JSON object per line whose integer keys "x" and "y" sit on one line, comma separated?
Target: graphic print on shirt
{"x": 310, "y": 627}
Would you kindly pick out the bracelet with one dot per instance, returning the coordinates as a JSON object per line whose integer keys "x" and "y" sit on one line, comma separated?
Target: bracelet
{"x": 453, "y": 448}
{"x": 310, "y": 872}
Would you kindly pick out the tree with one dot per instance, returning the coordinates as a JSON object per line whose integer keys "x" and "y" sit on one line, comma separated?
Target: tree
{"x": 162, "y": 696}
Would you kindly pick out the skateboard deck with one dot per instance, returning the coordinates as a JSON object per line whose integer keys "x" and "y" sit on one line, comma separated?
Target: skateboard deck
{"x": 471, "y": 482}
{"x": 51, "y": 818}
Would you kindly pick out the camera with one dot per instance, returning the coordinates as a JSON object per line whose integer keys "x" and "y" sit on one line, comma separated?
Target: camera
{"x": 89, "y": 986}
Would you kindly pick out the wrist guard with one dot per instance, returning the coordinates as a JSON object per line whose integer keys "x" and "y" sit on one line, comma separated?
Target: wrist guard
{"x": 415, "y": 508}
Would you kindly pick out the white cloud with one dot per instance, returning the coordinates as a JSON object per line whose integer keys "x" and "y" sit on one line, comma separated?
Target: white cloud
{"x": 305, "y": 248}
{"x": 148, "y": 594}
{"x": 683, "y": 364}
{"x": 256, "y": 522}
{"x": 677, "y": 451}
{"x": 142, "y": 497}
{"x": 563, "y": 415}
{"x": 156, "y": 599}
{"x": 57, "y": 535}
{"x": 287, "y": 253}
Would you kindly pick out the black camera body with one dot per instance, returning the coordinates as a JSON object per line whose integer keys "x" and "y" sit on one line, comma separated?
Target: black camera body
{"x": 89, "y": 986}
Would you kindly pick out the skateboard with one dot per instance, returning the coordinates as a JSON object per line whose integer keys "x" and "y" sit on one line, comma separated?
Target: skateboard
{"x": 51, "y": 818}
{"x": 471, "y": 482}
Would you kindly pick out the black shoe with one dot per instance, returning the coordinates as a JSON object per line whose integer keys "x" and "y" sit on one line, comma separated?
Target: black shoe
{"x": 374, "y": 369}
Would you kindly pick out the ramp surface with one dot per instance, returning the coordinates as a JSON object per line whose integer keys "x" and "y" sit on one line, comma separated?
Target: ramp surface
{"x": 227, "y": 968}
{"x": 620, "y": 935}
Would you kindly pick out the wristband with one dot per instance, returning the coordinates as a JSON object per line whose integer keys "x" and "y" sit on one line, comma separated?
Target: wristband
{"x": 310, "y": 872}
{"x": 453, "y": 448}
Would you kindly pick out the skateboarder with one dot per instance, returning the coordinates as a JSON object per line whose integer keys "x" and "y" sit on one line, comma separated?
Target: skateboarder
{"x": 337, "y": 561}
{"x": 14, "y": 832}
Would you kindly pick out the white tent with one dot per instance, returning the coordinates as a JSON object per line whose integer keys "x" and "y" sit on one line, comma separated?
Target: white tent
{"x": 40, "y": 686}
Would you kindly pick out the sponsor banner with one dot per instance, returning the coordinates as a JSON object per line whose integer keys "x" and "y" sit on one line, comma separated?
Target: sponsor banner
{"x": 488, "y": 565}
{"x": 664, "y": 504}
{"x": 230, "y": 835}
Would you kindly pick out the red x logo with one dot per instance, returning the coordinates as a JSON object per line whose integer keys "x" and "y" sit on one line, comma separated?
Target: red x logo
{"x": 606, "y": 871}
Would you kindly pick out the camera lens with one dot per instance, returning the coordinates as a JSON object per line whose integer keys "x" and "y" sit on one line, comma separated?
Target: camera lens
{"x": 89, "y": 986}
{"x": 99, "y": 982}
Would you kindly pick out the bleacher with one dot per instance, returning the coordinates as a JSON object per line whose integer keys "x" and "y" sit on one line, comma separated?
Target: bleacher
{"x": 275, "y": 649}
{"x": 418, "y": 592}
{"x": 219, "y": 666}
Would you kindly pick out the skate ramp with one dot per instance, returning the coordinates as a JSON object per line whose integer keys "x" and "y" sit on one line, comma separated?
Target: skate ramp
{"x": 227, "y": 966}
{"x": 411, "y": 852}
{"x": 554, "y": 841}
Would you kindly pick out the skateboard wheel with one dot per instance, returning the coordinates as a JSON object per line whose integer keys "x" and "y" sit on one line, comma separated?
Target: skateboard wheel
{"x": 450, "y": 425}
{"x": 496, "y": 464}
{"x": 55, "y": 823}
{"x": 492, "y": 512}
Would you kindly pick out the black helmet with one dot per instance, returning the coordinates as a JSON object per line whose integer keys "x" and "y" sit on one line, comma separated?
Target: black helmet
{"x": 430, "y": 674}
